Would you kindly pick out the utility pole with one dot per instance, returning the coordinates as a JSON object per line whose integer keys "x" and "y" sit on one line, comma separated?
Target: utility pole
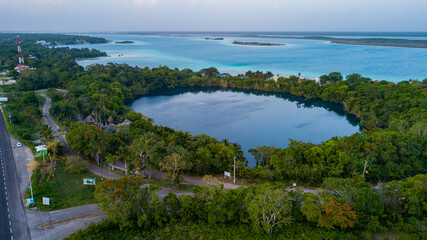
{"x": 234, "y": 181}
{"x": 31, "y": 188}
{"x": 99, "y": 164}
{"x": 364, "y": 168}
{"x": 51, "y": 166}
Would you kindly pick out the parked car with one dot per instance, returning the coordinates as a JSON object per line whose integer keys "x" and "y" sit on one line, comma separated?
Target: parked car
{"x": 19, "y": 144}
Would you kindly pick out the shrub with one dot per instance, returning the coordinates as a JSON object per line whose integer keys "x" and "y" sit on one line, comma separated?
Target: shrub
{"x": 75, "y": 164}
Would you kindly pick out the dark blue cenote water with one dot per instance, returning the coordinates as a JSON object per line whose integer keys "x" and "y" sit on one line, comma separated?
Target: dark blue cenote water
{"x": 250, "y": 119}
{"x": 311, "y": 58}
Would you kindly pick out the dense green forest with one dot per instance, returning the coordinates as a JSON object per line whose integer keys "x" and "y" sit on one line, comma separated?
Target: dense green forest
{"x": 391, "y": 147}
{"x": 393, "y": 116}
{"x": 54, "y": 39}
{"x": 347, "y": 209}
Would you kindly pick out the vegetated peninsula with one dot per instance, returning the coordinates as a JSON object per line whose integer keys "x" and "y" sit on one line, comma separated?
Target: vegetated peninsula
{"x": 386, "y": 42}
{"x": 258, "y": 43}
{"x": 215, "y": 39}
{"x": 124, "y": 42}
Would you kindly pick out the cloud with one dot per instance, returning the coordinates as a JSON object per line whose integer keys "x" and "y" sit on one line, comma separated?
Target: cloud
{"x": 31, "y": 3}
{"x": 47, "y": 1}
{"x": 145, "y": 2}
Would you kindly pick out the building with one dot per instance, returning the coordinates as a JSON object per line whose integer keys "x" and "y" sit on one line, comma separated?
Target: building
{"x": 89, "y": 119}
{"x": 41, "y": 150}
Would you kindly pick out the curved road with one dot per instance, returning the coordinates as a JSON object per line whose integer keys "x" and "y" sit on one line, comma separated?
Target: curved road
{"x": 56, "y": 130}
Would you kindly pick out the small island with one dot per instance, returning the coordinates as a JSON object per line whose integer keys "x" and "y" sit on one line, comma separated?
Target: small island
{"x": 258, "y": 43}
{"x": 215, "y": 39}
{"x": 125, "y": 42}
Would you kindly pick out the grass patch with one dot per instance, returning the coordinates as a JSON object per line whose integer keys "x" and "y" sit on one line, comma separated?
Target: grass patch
{"x": 239, "y": 180}
{"x": 64, "y": 190}
{"x": 11, "y": 131}
{"x": 25, "y": 120}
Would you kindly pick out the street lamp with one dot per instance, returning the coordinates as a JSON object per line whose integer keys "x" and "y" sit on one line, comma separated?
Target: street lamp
{"x": 234, "y": 181}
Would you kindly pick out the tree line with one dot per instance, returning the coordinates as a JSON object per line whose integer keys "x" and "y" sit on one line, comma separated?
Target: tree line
{"x": 347, "y": 209}
{"x": 391, "y": 146}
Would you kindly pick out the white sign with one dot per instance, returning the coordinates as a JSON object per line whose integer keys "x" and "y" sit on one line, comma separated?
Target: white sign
{"x": 30, "y": 200}
{"x": 3, "y": 99}
{"x": 227, "y": 174}
{"x": 45, "y": 200}
{"x": 89, "y": 181}
{"x": 294, "y": 184}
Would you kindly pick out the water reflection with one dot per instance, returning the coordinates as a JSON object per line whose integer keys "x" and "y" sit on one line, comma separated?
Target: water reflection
{"x": 301, "y": 102}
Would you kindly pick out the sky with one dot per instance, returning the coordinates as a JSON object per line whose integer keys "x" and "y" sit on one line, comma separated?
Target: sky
{"x": 213, "y": 15}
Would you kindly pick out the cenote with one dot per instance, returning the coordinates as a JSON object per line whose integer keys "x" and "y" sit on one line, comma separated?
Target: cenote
{"x": 249, "y": 118}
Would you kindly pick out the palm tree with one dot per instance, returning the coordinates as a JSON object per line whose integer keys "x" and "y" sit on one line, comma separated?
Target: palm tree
{"x": 141, "y": 148}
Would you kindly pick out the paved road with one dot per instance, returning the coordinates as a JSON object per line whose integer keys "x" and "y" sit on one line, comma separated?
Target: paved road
{"x": 56, "y": 130}
{"x": 102, "y": 172}
{"x": 36, "y": 219}
{"x": 13, "y": 220}
{"x": 5, "y": 228}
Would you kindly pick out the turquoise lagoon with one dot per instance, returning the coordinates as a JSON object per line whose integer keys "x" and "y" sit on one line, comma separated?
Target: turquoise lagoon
{"x": 311, "y": 58}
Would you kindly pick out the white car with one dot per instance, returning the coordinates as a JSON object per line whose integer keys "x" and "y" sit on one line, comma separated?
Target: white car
{"x": 19, "y": 144}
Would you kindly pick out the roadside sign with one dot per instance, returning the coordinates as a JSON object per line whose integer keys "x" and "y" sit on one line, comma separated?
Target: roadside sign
{"x": 88, "y": 181}
{"x": 46, "y": 201}
{"x": 29, "y": 186}
{"x": 30, "y": 200}
{"x": 227, "y": 174}
{"x": 3, "y": 99}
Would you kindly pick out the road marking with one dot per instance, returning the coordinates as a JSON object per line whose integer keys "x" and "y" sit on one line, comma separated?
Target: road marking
{"x": 5, "y": 191}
